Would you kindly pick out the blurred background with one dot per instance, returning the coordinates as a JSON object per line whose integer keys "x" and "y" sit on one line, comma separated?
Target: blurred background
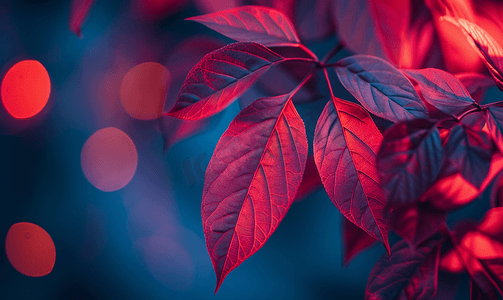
{"x": 140, "y": 236}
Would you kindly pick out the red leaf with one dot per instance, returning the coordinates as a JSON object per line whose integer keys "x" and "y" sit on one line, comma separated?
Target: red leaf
{"x": 220, "y": 78}
{"x": 452, "y": 191}
{"x": 252, "y": 24}
{"x": 78, "y": 13}
{"x": 345, "y": 144}
{"x": 476, "y": 84}
{"x": 380, "y": 88}
{"x": 470, "y": 152}
{"x": 481, "y": 250}
{"x": 355, "y": 241}
{"x": 409, "y": 160}
{"x": 251, "y": 180}
{"x": 310, "y": 180}
{"x": 487, "y": 47}
{"x": 442, "y": 90}
{"x": 391, "y": 19}
{"x": 409, "y": 274}
{"x": 417, "y": 222}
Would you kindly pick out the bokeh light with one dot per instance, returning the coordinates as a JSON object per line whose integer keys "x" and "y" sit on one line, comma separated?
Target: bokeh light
{"x": 109, "y": 159}
{"x": 25, "y": 89}
{"x": 30, "y": 249}
{"x": 143, "y": 90}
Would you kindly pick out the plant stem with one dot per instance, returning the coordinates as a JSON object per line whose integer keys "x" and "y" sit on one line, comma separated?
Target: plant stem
{"x": 332, "y": 52}
{"x": 499, "y": 103}
{"x": 328, "y": 81}
{"x": 475, "y": 109}
{"x": 309, "y": 52}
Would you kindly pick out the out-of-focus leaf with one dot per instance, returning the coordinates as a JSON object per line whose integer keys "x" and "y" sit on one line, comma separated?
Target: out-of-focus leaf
{"x": 417, "y": 222}
{"x": 251, "y": 180}
{"x": 355, "y": 27}
{"x": 251, "y": 23}
{"x": 453, "y": 191}
{"x": 495, "y": 125}
{"x": 220, "y": 78}
{"x": 481, "y": 250}
{"x": 408, "y": 274}
{"x": 355, "y": 241}
{"x": 391, "y": 19}
{"x": 409, "y": 160}
{"x": 470, "y": 152}
{"x": 380, "y": 88}
{"x": 489, "y": 50}
{"x": 476, "y": 84}
{"x": 78, "y": 12}
{"x": 497, "y": 192}
{"x": 345, "y": 144}
{"x": 442, "y": 90}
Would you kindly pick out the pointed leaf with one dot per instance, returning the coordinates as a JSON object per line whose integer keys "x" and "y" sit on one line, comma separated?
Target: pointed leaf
{"x": 409, "y": 274}
{"x": 442, "y": 90}
{"x": 409, "y": 160}
{"x": 310, "y": 180}
{"x": 220, "y": 78}
{"x": 251, "y": 180}
{"x": 490, "y": 51}
{"x": 355, "y": 241}
{"x": 380, "y": 88}
{"x": 470, "y": 152}
{"x": 345, "y": 144}
{"x": 251, "y": 23}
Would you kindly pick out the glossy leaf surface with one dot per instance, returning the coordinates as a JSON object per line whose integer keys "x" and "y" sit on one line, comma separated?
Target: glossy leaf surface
{"x": 470, "y": 152}
{"x": 442, "y": 90}
{"x": 409, "y": 160}
{"x": 409, "y": 274}
{"x": 380, "y": 88}
{"x": 251, "y": 180}
{"x": 251, "y": 23}
{"x": 220, "y": 78}
{"x": 345, "y": 144}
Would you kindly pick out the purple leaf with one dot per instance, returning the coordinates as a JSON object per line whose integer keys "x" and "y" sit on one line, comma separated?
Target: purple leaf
{"x": 409, "y": 274}
{"x": 251, "y": 23}
{"x": 495, "y": 125}
{"x": 442, "y": 90}
{"x": 409, "y": 160}
{"x": 345, "y": 144}
{"x": 476, "y": 84}
{"x": 470, "y": 152}
{"x": 220, "y": 78}
{"x": 417, "y": 222}
{"x": 487, "y": 47}
{"x": 251, "y": 180}
{"x": 381, "y": 88}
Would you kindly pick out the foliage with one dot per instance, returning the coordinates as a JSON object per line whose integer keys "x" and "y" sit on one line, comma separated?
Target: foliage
{"x": 440, "y": 149}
